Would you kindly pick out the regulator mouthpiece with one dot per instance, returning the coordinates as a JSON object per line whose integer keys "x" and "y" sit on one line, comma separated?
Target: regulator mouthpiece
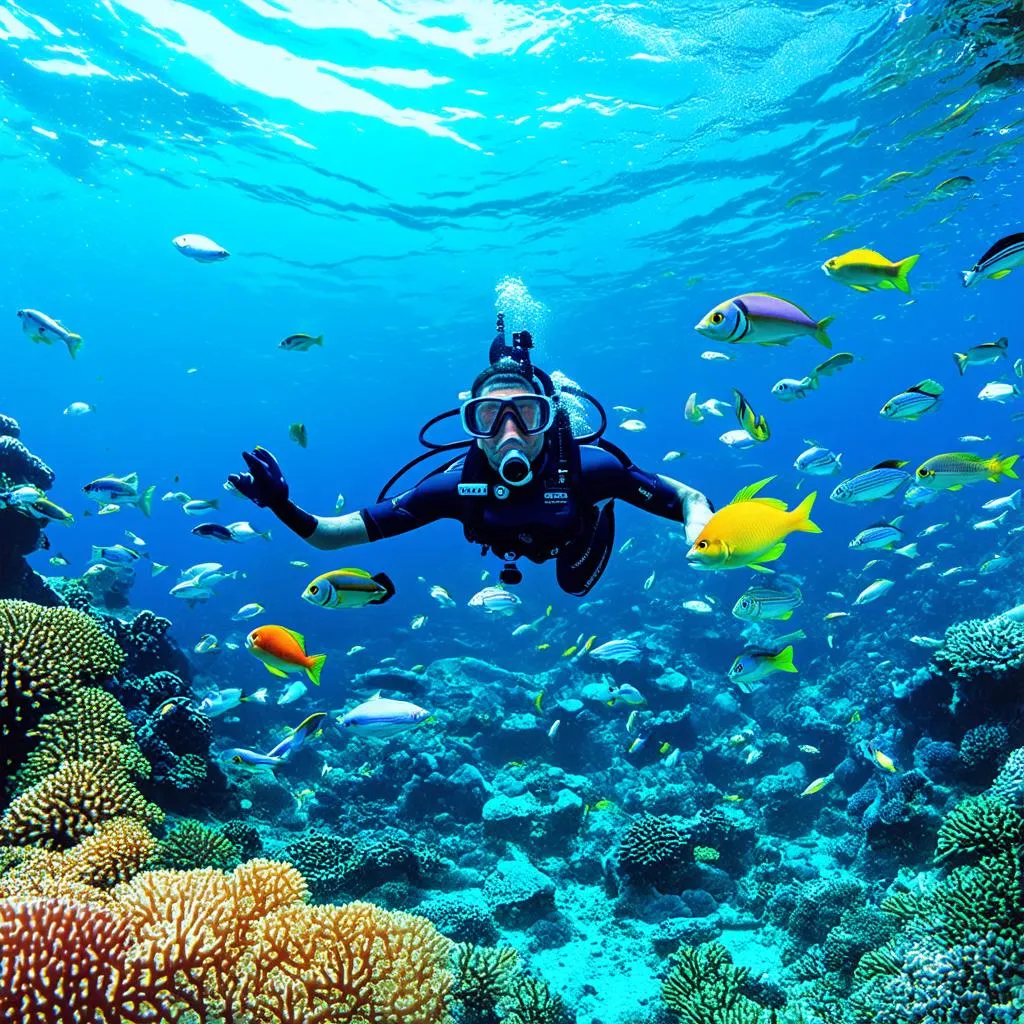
{"x": 515, "y": 468}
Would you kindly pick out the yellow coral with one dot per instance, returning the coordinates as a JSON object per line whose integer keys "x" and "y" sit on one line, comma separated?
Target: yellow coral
{"x": 93, "y": 727}
{"x": 239, "y": 946}
{"x": 46, "y": 656}
{"x": 69, "y": 805}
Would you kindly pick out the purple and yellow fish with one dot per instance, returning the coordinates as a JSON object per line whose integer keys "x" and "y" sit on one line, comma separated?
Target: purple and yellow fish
{"x": 757, "y": 318}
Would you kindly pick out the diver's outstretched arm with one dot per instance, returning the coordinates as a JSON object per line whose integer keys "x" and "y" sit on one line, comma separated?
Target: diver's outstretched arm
{"x": 265, "y": 485}
{"x": 697, "y": 510}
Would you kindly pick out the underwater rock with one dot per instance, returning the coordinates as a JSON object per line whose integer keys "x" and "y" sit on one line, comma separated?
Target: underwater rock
{"x": 461, "y": 794}
{"x": 518, "y": 894}
{"x": 388, "y": 679}
{"x": 542, "y": 828}
{"x": 518, "y": 738}
{"x": 685, "y": 931}
{"x": 21, "y": 533}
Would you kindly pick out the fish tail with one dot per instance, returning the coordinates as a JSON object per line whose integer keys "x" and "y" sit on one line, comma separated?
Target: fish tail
{"x": 265, "y": 535}
{"x": 813, "y": 378}
{"x": 389, "y": 588}
{"x": 1004, "y": 467}
{"x": 318, "y": 340}
{"x": 821, "y": 335}
{"x": 74, "y": 344}
{"x": 316, "y": 663}
{"x": 802, "y": 515}
{"x": 145, "y": 501}
{"x": 961, "y": 362}
{"x": 783, "y": 661}
{"x": 908, "y": 550}
{"x": 904, "y": 268}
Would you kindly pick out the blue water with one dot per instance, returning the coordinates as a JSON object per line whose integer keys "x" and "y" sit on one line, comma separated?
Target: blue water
{"x": 392, "y": 175}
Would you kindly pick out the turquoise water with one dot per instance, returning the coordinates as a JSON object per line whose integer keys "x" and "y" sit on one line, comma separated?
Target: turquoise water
{"x": 390, "y": 176}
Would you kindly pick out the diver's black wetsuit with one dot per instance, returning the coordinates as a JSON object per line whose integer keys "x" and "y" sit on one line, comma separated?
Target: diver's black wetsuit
{"x": 538, "y": 521}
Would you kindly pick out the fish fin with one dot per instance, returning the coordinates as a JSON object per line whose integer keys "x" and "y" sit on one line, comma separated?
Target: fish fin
{"x": 802, "y": 515}
{"x": 74, "y": 342}
{"x": 905, "y": 267}
{"x": 859, "y": 288}
{"x": 1004, "y": 467}
{"x": 772, "y": 503}
{"x": 1000, "y": 274}
{"x": 786, "y": 616}
{"x": 783, "y": 661}
{"x": 821, "y": 335}
{"x": 145, "y": 502}
{"x": 297, "y": 637}
{"x": 313, "y": 669}
{"x": 772, "y": 553}
{"x": 748, "y": 492}
{"x": 895, "y": 521}
{"x": 886, "y": 285}
{"x": 961, "y": 361}
{"x": 762, "y": 568}
{"x": 275, "y": 671}
{"x": 929, "y": 387}
{"x": 955, "y": 487}
{"x": 743, "y": 687}
{"x": 385, "y": 581}
{"x": 357, "y": 572}
{"x": 132, "y": 479}
{"x": 1002, "y": 343}
{"x": 891, "y": 464}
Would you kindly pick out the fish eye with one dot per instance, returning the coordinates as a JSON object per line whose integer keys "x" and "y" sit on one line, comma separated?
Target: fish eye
{"x": 717, "y": 318}
{"x": 236, "y": 759}
{"x": 745, "y": 603}
{"x": 831, "y": 263}
{"x": 702, "y": 545}
{"x": 314, "y": 589}
{"x": 739, "y": 668}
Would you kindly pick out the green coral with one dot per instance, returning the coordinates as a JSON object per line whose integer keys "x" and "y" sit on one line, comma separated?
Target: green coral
{"x": 705, "y": 854}
{"x": 482, "y": 979}
{"x": 191, "y": 844}
{"x": 531, "y": 1001}
{"x": 979, "y": 825}
{"x": 704, "y": 987}
{"x": 188, "y": 773}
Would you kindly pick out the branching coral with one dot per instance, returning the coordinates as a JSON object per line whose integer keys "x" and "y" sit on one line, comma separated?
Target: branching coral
{"x": 482, "y": 979}
{"x": 704, "y": 987}
{"x": 654, "y": 850}
{"x": 62, "y": 961}
{"x": 192, "y": 844}
{"x": 978, "y": 825}
{"x": 982, "y": 647}
{"x": 70, "y": 804}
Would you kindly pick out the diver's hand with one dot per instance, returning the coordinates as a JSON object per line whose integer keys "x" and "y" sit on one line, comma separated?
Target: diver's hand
{"x": 264, "y": 484}
{"x": 697, "y": 511}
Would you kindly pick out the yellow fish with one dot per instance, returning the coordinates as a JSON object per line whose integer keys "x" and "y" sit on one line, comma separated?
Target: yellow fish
{"x": 568, "y": 651}
{"x": 664, "y": 748}
{"x": 836, "y": 615}
{"x": 749, "y": 531}
{"x": 881, "y": 759}
{"x": 543, "y": 647}
{"x": 590, "y": 643}
{"x": 817, "y": 785}
{"x": 865, "y": 270}
{"x": 854, "y": 718}
{"x": 537, "y": 701}
{"x": 733, "y": 798}
{"x": 755, "y": 426}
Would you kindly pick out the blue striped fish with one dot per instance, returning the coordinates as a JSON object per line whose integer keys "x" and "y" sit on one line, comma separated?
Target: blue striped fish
{"x": 882, "y": 481}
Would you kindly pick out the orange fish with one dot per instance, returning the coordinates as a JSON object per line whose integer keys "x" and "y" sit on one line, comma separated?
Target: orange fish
{"x": 283, "y": 651}
{"x": 749, "y": 531}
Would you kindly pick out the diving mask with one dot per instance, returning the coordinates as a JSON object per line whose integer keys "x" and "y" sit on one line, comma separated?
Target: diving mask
{"x": 484, "y": 417}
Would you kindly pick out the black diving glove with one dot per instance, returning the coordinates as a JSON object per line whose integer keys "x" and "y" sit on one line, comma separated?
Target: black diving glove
{"x": 265, "y": 486}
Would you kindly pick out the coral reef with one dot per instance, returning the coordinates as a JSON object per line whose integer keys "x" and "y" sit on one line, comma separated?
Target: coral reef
{"x": 21, "y": 533}
{"x": 240, "y": 946}
{"x": 47, "y": 655}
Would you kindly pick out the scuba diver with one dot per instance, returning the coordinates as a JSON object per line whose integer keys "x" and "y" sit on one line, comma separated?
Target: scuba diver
{"x": 526, "y": 486}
